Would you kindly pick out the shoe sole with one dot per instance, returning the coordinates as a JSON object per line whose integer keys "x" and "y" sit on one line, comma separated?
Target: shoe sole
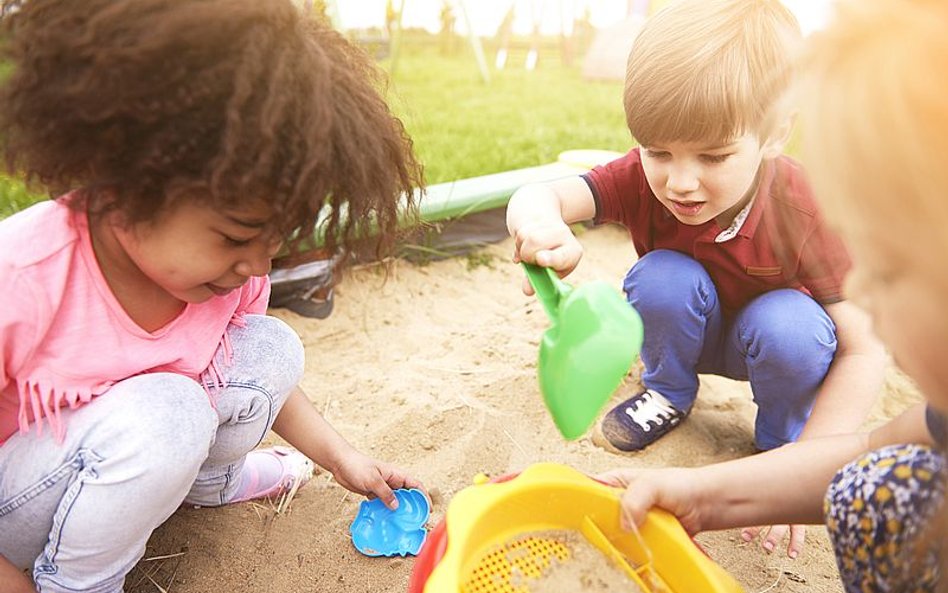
{"x": 599, "y": 440}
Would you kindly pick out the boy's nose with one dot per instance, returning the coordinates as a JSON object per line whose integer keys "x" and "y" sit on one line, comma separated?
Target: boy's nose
{"x": 681, "y": 181}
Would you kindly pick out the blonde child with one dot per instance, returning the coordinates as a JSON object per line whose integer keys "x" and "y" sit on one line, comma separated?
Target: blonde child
{"x": 737, "y": 273}
{"x": 876, "y": 137}
{"x": 138, "y": 369}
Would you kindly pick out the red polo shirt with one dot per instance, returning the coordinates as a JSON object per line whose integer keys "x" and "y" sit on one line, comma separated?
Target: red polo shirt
{"x": 783, "y": 243}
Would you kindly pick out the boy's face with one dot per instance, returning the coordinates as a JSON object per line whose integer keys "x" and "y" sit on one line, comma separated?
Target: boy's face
{"x": 194, "y": 251}
{"x": 698, "y": 182}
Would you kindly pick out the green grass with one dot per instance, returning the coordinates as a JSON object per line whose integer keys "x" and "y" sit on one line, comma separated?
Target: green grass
{"x": 14, "y": 196}
{"x": 463, "y": 127}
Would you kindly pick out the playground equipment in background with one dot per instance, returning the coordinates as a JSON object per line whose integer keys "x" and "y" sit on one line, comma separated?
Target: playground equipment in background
{"x": 308, "y": 291}
{"x": 454, "y": 199}
{"x": 470, "y": 550}
{"x": 393, "y": 22}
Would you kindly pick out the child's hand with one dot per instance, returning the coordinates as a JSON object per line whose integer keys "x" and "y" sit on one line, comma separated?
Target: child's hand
{"x": 548, "y": 244}
{"x": 369, "y": 477}
{"x": 670, "y": 489}
{"x": 773, "y": 535}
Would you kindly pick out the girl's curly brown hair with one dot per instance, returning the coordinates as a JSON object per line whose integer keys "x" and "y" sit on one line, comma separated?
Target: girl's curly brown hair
{"x": 230, "y": 100}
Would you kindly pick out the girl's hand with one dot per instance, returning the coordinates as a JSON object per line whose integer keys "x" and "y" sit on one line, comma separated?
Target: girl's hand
{"x": 672, "y": 489}
{"x": 369, "y": 477}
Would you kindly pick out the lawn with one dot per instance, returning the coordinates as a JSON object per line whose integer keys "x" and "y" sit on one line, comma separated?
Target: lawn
{"x": 463, "y": 127}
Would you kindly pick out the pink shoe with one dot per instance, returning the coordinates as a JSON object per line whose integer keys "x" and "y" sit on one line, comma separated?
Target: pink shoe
{"x": 297, "y": 470}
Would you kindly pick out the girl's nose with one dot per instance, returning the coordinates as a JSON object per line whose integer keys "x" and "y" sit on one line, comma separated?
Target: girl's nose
{"x": 253, "y": 267}
{"x": 256, "y": 263}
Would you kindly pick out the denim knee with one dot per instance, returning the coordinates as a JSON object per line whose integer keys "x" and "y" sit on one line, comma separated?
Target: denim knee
{"x": 791, "y": 330}
{"x": 172, "y": 425}
{"x": 666, "y": 281}
{"x": 140, "y": 443}
{"x": 267, "y": 353}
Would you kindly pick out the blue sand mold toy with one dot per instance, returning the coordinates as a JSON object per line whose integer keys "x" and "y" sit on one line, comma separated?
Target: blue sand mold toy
{"x": 380, "y": 531}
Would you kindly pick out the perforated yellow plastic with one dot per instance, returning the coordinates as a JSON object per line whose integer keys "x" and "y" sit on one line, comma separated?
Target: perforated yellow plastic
{"x": 487, "y": 542}
{"x": 526, "y": 557}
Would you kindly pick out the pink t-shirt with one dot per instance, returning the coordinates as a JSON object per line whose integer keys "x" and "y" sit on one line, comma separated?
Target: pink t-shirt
{"x": 65, "y": 339}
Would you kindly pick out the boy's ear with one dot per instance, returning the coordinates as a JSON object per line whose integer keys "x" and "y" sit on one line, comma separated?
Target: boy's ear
{"x": 774, "y": 145}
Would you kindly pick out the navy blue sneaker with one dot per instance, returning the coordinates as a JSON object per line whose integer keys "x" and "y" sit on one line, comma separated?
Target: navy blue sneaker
{"x": 640, "y": 421}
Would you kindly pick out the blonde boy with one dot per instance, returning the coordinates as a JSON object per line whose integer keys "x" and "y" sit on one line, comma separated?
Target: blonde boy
{"x": 737, "y": 274}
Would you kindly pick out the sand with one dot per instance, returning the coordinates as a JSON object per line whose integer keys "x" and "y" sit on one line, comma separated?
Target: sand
{"x": 578, "y": 567}
{"x": 435, "y": 370}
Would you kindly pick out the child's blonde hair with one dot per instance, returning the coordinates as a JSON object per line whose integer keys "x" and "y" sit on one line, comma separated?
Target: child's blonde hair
{"x": 875, "y": 130}
{"x": 710, "y": 70}
{"x": 875, "y": 137}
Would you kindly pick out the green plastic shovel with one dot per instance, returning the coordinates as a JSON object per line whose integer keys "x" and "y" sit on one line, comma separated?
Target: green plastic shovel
{"x": 593, "y": 338}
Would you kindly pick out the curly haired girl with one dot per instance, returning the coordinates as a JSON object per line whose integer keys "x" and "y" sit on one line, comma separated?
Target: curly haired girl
{"x": 187, "y": 140}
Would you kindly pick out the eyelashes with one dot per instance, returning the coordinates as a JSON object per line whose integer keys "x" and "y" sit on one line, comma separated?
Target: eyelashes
{"x": 707, "y": 158}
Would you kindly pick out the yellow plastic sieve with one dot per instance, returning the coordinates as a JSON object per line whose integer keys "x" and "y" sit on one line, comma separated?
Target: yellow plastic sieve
{"x": 487, "y": 536}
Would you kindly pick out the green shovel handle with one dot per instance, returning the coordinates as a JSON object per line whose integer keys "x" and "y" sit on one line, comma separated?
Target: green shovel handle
{"x": 549, "y": 288}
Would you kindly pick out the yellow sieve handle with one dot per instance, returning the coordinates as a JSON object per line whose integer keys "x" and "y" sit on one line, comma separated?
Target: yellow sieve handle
{"x": 596, "y": 537}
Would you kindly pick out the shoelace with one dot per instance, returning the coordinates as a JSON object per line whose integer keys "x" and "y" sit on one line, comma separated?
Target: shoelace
{"x": 651, "y": 407}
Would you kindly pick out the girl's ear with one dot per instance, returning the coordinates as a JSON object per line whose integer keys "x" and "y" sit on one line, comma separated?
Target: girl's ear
{"x": 774, "y": 145}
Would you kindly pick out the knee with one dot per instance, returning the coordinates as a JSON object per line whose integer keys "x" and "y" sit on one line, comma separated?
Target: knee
{"x": 166, "y": 410}
{"x": 665, "y": 279}
{"x": 789, "y": 327}
{"x": 275, "y": 349}
{"x": 162, "y": 423}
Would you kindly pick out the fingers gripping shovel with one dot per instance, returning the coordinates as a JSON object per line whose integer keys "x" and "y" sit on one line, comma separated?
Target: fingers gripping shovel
{"x": 594, "y": 336}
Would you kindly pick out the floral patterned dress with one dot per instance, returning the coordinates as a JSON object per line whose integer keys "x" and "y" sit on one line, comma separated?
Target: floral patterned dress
{"x": 880, "y": 508}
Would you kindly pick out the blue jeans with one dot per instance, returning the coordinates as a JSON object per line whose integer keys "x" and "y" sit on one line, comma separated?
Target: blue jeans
{"x": 80, "y": 513}
{"x": 783, "y": 342}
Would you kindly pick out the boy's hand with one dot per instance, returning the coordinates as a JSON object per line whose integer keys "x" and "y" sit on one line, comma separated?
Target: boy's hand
{"x": 369, "y": 477}
{"x": 671, "y": 489}
{"x": 773, "y": 535}
{"x": 548, "y": 244}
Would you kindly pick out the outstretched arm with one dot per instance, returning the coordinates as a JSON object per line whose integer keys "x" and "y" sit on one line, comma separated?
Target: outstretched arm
{"x": 305, "y": 428}
{"x": 782, "y": 486}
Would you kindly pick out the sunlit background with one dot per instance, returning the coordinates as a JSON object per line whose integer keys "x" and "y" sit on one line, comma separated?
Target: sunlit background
{"x": 553, "y": 16}
{"x": 537, "y": 78}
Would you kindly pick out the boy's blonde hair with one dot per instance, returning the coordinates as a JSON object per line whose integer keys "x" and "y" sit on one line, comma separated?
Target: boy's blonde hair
{"x": 710, "y": 70}
{"x": 875, "y": 100}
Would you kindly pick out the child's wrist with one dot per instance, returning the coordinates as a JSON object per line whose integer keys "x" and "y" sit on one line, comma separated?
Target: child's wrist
{"x": 340, "y": 456}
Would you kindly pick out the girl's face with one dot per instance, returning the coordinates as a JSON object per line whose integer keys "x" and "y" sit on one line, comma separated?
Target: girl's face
{"x": 194, "y": 252}
{"x": 698, "y": 182}
{"x": 907, "y": 303}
